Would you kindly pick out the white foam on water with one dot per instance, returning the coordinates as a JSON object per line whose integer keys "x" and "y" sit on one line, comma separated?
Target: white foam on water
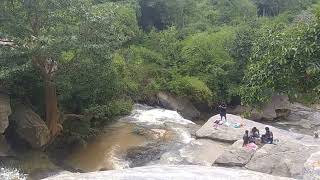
{"x": 158, "y": 116}
{"x": 117, "y": 163}
{"x": 183, "y": 134}
{"x": 11, "y": 174}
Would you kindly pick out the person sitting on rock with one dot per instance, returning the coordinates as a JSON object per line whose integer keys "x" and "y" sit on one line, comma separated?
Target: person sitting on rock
{"x": 216, "y": 124}
{"x": 254, "y": 136}
{"x": 316, "y": 134}
{"x": 223, "y": 111}
{"x": 267, "y": 138}
{"x": 245, "y": 138}
{"x": 255, "y": 132}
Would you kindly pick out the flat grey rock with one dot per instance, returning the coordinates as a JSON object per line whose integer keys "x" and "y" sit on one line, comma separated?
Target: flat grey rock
{"x": 169, "y": 172}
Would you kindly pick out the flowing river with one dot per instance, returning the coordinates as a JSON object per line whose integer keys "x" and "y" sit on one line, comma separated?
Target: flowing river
{"x": 147, "y": 133}
{"x": 148, "y": 136}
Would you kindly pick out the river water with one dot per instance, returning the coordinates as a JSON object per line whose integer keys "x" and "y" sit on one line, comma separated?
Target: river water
{"x": 168, "y": 132}
{"x": 145, "y": 125}
{"x": 107, "y": 151}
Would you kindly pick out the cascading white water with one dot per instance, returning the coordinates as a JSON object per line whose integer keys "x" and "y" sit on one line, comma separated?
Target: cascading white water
{"x": 106, "y": 151}
{"x": 157, "y": 116}
{"x": 117, "y": 162}
{"x": 11, "y": 174}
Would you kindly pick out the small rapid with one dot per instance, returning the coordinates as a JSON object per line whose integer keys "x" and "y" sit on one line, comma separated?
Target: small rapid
{"x": 11, "y": 174}
{"x": 156, "y": 116}
{"x": 155, "y": 129}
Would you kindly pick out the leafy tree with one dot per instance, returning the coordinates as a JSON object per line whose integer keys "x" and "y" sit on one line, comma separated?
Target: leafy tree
{"x": 49, "y": 34}
{"x": 275, "y": 7}
{"x": 207, "y": 56}
{"x": 284, "y": 60}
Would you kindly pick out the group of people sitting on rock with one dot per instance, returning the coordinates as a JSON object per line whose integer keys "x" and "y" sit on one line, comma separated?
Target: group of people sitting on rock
{"x": 254, "y": 137}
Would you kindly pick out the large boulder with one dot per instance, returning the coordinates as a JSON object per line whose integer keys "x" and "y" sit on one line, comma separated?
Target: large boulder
{"x": 302, "y": 119}
{"x": 278, "y": 106}
{"x": 29, "y": 126}
{"x": 182, "y": 105}
{"x": 286, "y": 159}
{"x": 312, "y": 167}
{"x": 231, "y": 134}
{"x": 222, "y": 133}
{"x": 299, "y": 112}
{"x": 202, "y": 152}
{"x": 5, "y": 111}
{"x": 170, "y": 172}
{"x": 235, "y": 155}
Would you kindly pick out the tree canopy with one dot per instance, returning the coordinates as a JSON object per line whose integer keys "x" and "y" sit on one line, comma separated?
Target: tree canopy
{"x": 97, "y": 57}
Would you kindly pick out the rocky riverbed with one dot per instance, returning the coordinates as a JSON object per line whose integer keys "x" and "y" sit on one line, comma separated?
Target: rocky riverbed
{"x": 164, "y": 172}
{"x": 294, "y": 155}
{"x": 155, "y": 143}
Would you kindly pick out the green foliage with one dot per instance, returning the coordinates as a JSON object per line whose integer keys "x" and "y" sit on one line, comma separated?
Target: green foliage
{"x": 284, "y": 60}
{"x": 275, "y": 7}
{"x": 190, "y": 87}
{"x": 112, "y": 109}
{"x": 233, "y": 11}
{"x": 206, "y": 56}
{"x": 204, "y": 50}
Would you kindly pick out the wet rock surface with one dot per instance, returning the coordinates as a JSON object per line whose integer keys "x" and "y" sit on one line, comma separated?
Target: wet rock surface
{"x": 181, "y": 105}
{"x": 284, "y": 159}
{"x": 170, "y": 172}
{"x": 29, "y": 126}
{"x": 140, "y": 156}
{"x": 231, "y": 134}
{"x": 312, "y": 167}
{"x": 303, "y": 119}
{"x": 235, "y": 155}
{"x": 5, "y": 111}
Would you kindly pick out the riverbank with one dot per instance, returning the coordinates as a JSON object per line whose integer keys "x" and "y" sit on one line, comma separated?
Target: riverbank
{"x": 171, "y": 172}
{"x": 160, "y": 137}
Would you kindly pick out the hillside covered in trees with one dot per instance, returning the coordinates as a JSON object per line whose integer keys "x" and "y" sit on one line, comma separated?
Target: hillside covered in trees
{"x": 98, "y": 57}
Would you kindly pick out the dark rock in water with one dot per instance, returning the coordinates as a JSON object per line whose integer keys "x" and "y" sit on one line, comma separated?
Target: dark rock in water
{"x": 29, "y": 126}
{"x": 142, "y": 155}
{"x": 5, "y": 149}
{"x": 5, "y": 111}
{"x": 29, "y": 162}
{"x": 181, "y": 105}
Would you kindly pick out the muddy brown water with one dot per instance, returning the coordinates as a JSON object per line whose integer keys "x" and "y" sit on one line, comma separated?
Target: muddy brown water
{"x": 102, "y": 153}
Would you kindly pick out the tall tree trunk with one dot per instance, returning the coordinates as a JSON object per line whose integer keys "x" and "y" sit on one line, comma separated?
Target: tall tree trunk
{"x": 47, "y": 68}
{"x": 51, "y": 103}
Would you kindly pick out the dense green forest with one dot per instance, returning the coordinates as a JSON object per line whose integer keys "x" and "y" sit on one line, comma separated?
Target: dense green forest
{"x": 98, "y": 57}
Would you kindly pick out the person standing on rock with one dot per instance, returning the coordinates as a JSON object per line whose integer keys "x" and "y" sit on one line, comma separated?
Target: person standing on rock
{"x": 245, "y": 138}
{"x": 223, "y": 111}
